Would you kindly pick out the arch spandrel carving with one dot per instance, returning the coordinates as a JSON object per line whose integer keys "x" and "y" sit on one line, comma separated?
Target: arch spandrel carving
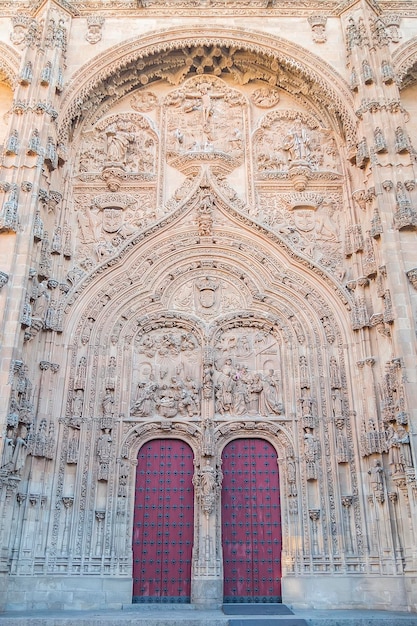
{"x": 206, "y": 212}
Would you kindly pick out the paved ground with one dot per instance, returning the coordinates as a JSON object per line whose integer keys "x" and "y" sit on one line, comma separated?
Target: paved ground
{"x": 175, "y": 615}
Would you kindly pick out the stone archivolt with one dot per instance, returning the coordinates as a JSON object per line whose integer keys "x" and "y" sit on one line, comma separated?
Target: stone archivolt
{"x": 255, "y": 58}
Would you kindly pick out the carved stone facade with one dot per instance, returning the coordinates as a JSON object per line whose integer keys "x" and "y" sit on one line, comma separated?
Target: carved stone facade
{"x": 208, "y": 233}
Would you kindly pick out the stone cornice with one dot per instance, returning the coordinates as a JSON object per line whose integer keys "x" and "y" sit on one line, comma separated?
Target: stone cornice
{"x": 233, "y": 8}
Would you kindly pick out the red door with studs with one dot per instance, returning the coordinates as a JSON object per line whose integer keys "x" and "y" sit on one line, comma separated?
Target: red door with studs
{"x": 163, "y": 522}
{"x": 251, "y": 522}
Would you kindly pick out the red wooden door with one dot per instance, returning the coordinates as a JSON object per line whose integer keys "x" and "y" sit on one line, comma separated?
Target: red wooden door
{"x": 251, "y": 522}
{"x": 163, "y": 522}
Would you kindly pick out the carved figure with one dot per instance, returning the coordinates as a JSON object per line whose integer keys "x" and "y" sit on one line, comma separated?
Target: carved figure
{"x": 268, "y": 398}
{"x": 167, "y": 401}
{"x": 77, "y": 406}
{"x": 8, "y": 450}
{"x": 291, "y": 476}
{"x": 207, "y": 381}
{"x": 240, "y": 392}
{"x": 107, "y": 403}
{"x": 207, "y": 482}
{"x": 19, "y": 453}
{"x": 81, "y": 373}
{"x": 119, "y": 137}
{"x": 337, "y": 403}
{"x": 297, "y": 143}
{"x": 399, "y": 453}
{"x": 310, "y": 454}
{"x": 224, "y": 388}
{"x": 72, "y": 452}
{"x": 42, "y": 301}
{"x": 104, "y": 447}
{"x": 334, "y": 374}
{"x": 265, "y": 97}
{"x": 376, "y": 473}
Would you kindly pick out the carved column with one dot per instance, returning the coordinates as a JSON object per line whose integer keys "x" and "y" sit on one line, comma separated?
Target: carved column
{"x": 207, "y": 582}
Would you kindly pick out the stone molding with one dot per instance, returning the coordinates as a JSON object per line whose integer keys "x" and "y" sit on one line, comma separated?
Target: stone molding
{"x": 9, "y": 63}
{"x": 404, "y": 59}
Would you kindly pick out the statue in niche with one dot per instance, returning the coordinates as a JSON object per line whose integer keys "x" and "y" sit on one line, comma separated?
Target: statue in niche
{"x": 297, "y": 143}
{"x": 337, "y": 403}
{"x": 376, "y": 474}
{"x": 104, "y": 446}
{"x": 310, "y": 454}
{"x": 208, "y": 381}
{"x": 399, "y": 453}
{"x": 20, "y": 451}
{"x": 291, "y": 476}
{"x": 86, "y": 332}
{"x": 334, "y": 374}
{"x": 307, "y": 404}
{"x": 77, "y": 407}
{"x": 207, "y": 482}
{"x": 41, "y": 304}
{"x": 208, "y": 440}
{"x": 8, "y": 450}
{"x": 342, "y": 449}
{"x": 107, "y": 403}
{"x": 72, "y": 451}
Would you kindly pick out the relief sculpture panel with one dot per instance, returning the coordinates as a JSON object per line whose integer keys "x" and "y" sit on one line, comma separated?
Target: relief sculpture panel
{"x": 205, "y": 122}
{"x": 247, "y": 376}
{"x": 287, "y": 139}
{"x": 125, "y": 141}
{"x": 166, "y": 380}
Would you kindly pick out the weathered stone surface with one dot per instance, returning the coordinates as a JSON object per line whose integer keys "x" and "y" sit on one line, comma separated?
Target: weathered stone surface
{"x": 207, "y": 232}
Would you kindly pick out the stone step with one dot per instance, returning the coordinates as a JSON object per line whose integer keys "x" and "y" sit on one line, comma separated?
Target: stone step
{"x": 269, "y": 608}
{"x": 267, "y": 621}
{"x": 187, "y": 615}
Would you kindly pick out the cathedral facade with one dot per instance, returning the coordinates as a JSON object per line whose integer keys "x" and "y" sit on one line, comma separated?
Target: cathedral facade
{"x": 208, "y": 290}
